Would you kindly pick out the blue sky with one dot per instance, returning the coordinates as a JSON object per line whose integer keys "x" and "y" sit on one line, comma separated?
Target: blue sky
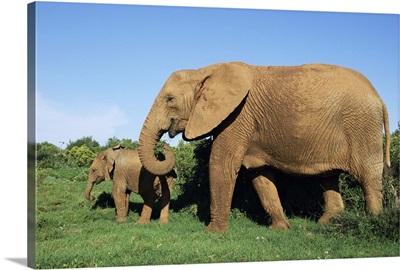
{"x": 100, "y": 66}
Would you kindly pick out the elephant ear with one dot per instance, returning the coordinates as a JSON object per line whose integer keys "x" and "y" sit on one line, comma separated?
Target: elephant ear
{"x": 118, "y": 146}
{"x": 223, "y": 87}
{"x": 109, "y": 160}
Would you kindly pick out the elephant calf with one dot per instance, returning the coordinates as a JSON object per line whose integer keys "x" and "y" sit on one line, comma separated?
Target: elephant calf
{"x": 124, "y": 167}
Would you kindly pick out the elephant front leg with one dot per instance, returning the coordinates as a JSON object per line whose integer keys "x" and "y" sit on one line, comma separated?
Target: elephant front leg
{"x": 269, "y": 197}
{"x": 333, "y": 201}
{"x": 120, "y": 200}
{"x": 227, "y": 153}
{"x": 222, "y": 183}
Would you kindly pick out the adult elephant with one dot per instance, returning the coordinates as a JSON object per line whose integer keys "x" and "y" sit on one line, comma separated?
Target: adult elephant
{"x": 124, "y": 167}
{"x": 305, "y": 120}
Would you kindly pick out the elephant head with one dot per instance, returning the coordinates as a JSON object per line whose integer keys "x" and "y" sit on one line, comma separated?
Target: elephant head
{"x": 194, "y": 102}
{"x": 101, "y": 169}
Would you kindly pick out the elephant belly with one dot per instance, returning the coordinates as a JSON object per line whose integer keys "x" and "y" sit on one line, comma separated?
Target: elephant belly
{"x": 294, "y": 158}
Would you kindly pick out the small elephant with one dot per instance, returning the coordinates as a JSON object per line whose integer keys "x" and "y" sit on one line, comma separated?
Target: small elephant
{"x": 124, "y": 167}
{"x": 304, "y": 120}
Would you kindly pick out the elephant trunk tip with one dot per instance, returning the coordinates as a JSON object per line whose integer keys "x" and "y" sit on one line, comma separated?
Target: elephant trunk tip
{"x": 90, "y": 197}
{"x": 154, "y": 165}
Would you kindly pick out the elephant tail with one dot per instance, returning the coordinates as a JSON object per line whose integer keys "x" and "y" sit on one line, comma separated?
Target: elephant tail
{"x": 387, "y": 134}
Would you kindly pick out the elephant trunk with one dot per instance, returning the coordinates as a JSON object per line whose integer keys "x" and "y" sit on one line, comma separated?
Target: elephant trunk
{"x": 149, "y": 137}
{"x": 88, "y": 190}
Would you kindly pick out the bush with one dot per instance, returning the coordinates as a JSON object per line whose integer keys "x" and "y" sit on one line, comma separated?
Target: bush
{"x": 80, "y": 156}
{"x": 42, "y": 174}
{"x": 88, "y": 141}
{"x": 185, "y": 164}
{"x": 49, "y": 155}
{"x": 395, "y": 153}
{"x": 358, "y": 224}
{"x": 352, "y": 193}
{"x": 193, "y": 179}
{"x": 127, "y": 143}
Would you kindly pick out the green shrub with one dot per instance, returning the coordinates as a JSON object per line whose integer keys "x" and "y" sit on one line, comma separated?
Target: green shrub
{"x": 395, "y": 153}
{"x": 42, "y": 174}
{"x": 80, "y": 156}
{"x": 49, "y": 155}
{"x": 352, "y": 193}
{"x": 193, "y": 182}
{"x": 88, "y": 141}
{"x": 185, "y": 164}
{"x": 358, "y": 224}
{"x": 127, "y": 143}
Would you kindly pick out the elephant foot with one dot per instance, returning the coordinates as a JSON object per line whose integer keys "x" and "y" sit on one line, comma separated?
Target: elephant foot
{"x": 121, "y": 219}
{"x": 216, "y": 227}
{"x": 163, "y": 221}
{"x": 280, "y": 225}
{"x": 143, "y": 221}
{"x": 328, "y": 216}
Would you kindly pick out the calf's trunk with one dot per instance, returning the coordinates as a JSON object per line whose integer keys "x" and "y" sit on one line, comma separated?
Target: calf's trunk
{"x": 88, "y": 190}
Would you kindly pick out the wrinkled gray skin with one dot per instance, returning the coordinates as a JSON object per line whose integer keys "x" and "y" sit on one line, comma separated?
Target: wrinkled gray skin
{"x": 124, "y": 167}
{"x": 302, "y": 120}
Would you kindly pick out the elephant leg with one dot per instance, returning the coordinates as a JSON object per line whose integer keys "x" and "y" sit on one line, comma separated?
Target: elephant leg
{"x": 221, "y": 193}
{"x": 146, "y": 210}
{"x": 371, "y": 183}
{"x": 119, "y": 195}
{"x": 333, "y": 201}
{"x": 165, "y": 200}
{"x": 269, "y": 197}
{"x": 223, "y": 173}
{"x": 227, "y": 154}
{"x": 128, "y": 195}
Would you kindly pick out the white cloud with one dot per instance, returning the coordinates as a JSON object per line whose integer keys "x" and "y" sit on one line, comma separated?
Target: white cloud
{"x": 57, "y": 123}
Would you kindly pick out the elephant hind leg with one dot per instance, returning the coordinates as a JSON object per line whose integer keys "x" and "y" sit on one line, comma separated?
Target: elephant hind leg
{"x": 268, "y": 194}
{"x": 371, "y": 183}
{"x": 333, "y": 201}
{"x": 164, "y": 200}
{"x": 127, "y": 199}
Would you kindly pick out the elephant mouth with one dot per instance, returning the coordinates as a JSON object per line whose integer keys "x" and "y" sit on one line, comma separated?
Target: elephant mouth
{"x": 172, "y": 133}
{"x": 98, "y": 181}
{"x": 177, "y": 126}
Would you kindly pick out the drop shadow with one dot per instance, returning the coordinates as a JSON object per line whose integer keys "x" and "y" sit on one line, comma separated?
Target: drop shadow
{"x": 20, "y": 261}
{"x": 105, "y": 200}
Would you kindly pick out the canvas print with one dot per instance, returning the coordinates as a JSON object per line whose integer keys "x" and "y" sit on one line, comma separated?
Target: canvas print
{"x": 163, "y": 135}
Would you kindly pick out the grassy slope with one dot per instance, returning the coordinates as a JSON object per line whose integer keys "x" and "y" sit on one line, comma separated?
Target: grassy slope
{"x": 73, "y": 232}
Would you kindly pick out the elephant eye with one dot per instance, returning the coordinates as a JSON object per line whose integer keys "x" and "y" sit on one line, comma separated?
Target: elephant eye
{"x": 170, "y": 100}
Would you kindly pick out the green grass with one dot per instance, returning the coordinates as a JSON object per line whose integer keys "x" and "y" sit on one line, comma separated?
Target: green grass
{"x": 73, "y": 232}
